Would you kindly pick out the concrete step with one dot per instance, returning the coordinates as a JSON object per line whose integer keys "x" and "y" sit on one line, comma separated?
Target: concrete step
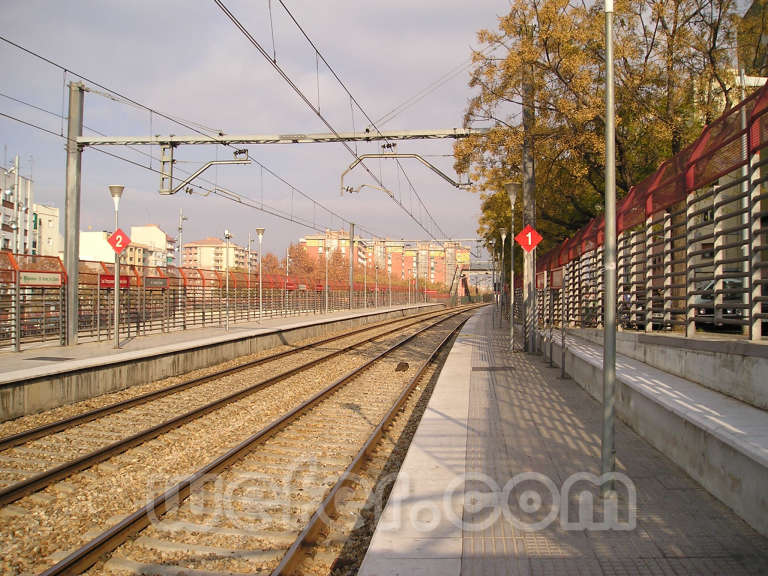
{"x": 718, "y": 440}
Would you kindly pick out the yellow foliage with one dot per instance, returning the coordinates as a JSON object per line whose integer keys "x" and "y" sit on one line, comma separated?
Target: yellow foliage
{"x": 666, "y": 88}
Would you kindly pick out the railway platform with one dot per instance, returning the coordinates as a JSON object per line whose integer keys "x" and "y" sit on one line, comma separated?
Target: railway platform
{"x": 502, "y": 478}
{"x": 44, "y": 376}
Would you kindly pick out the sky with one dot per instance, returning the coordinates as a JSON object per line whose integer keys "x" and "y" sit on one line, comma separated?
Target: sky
{"x": 188, "y": 60}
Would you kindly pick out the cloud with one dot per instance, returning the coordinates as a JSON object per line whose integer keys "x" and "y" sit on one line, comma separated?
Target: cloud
{"x": 187, "y": 59}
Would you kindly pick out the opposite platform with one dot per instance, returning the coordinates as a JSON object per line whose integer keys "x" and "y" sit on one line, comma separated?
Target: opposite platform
{"x": 499, "y": 480}
{"x": 44, "y": 377}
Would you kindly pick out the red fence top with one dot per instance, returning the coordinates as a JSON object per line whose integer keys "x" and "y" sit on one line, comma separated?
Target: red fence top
{"x": 716, "y": 152}
{"x": 90, "y": 271}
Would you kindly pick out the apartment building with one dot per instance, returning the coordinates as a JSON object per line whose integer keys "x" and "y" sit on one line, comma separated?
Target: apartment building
{"x": 212, "y": 254}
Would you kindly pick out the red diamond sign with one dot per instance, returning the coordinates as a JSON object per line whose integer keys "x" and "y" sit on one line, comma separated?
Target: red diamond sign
{"x": 528, "y": 238}
{"x": 119, "y": 241}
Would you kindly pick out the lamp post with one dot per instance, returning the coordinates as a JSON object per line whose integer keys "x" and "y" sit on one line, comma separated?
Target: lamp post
{"x": 512, "y": 188}
{"x": 365, "y": 280}
{"x": 116, "y": 191}
{"x": 389, "y": 274}
{"x": 493, "y": 276}
{"x": 250, "y": 241}
{"x": 376, "y": 273}
{"x": 260, "y": 234}
{"x": 285, "y": 290}
{"x": 608, "y": 456}
{"x": 182, "y": 218}
{"x": 227, "y": 236}
{"x": 501, "y": 281}
{"x": 325, "y": 252}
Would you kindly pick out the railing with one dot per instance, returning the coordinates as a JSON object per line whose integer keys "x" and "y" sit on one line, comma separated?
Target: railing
{"x": 162, "y": 299}
{"x": 691, "y": 245}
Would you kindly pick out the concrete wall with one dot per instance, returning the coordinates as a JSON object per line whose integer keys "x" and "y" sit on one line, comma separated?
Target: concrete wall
{"x": 78, "y": 380}
{"x": 732, "y": 367}
{"x": 735, "y": 476}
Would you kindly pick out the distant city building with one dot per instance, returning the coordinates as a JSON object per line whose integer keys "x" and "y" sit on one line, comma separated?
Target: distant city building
{"x": 211, "y": 254}
{"x": 438, "y": 262}
{"x": 161, "y": 246}
{"x": 94, "y": 247}
{"x": 46, "y": 238}
{"x": 15, "y": 212}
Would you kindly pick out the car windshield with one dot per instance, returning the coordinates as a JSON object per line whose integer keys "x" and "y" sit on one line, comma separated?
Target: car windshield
{"x": 728, "y": 284}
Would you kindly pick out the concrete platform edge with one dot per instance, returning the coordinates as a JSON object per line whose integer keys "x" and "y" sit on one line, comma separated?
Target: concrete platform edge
{"x": 732, "y": 471}
{"x": 405, "y": 543}
{"x": 32, "y": 390}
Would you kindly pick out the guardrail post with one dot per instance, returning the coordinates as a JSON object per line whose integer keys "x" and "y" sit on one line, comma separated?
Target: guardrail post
{"x": 756, "y": 250}
{"x": 667, "y": 259}
{"x": 690, "y": 283}
{"x": 599, "y": 286}
{"x": 62, "y": 315}
{"x": 719, "y": 248}
{"x": 621, "y": 281}
{"x": 648, "y": 273}
{"x": 16, "y": 311}
{"x": 563, "y": 319}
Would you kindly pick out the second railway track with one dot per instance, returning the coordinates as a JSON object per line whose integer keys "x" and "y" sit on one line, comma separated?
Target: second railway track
{"x": 35, "y": 458}
{"x": 32, "y": 534}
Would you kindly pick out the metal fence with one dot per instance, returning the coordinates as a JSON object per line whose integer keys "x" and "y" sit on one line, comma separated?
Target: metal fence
{"x": 163, "y": 299}
{"x": 692, "y": 241}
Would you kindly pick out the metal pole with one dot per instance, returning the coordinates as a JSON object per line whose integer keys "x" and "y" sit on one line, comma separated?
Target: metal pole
{"x": 226, "y": 280}
{"x": 28, "y": 248}
{"x": 98, "y": 307}
{"x": 562, "y": 322}
{"x": 376, "y": 272}
{"x": 117, "y": 292}
{"x": 261, "y": 300}
{"x": 285, "y": 289}
{"x": 16, "y": 206}
{"x": 181, "y": 242}
{"x": 72, "y": 207}
{"x": 325, "y": 252}
{"x": 551, "y": 320}
{"x": 250, "y": 289}
{"x": 513, "y": 188}
{"x": 365, "y": 279}
{"x": 389, "y": 272}
{"x": 351, "y": 263}
{"x": 529, "y": 208}
{"x": 17, "y": 310}
{"x": 609, "y": 255}
{"x": 503, "y": 274}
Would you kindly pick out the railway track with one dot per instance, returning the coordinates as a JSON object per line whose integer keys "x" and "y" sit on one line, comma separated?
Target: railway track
{"x": 36, "y": 458}
{"x": 43, "y": 527}
{"x": 251, "y": 509}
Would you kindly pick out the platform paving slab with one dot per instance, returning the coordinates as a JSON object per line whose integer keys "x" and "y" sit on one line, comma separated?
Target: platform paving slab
{"x": 495, "y": 416}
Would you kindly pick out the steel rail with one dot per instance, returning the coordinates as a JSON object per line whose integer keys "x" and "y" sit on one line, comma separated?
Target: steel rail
{"x": 85, "y": 556}
{"x": 33, "y": 484}
{"x": 320, "y": 519}
{"x": 59, "y": 425}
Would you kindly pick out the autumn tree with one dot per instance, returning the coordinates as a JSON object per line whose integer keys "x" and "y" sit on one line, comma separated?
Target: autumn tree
{"x": 673, "y": 74}
{"x": 271, "y": 265}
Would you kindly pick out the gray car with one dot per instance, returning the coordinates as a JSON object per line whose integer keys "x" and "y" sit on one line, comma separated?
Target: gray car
{"x": 733, "y": 303}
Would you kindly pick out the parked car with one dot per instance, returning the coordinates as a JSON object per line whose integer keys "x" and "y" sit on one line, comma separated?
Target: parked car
{"x": 733, "y": 302}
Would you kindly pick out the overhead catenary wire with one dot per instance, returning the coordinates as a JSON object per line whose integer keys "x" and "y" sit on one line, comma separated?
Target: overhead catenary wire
{"x": 371, "y": 122}
{"x": 202, "y": 130}
{"x": 232, "y": 197}
{"x": 306, "y": 100}
{"x": 427, "y": 90}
